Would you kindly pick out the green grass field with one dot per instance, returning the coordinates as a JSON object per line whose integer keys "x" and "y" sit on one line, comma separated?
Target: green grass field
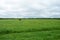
{"x": 30, "y": 29}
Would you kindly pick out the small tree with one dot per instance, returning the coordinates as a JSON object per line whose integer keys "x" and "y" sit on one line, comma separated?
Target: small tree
{"x": 19, "y": 19}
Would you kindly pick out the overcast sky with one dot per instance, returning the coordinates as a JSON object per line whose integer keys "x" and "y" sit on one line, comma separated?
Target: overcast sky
{"x": 29, "y": 8}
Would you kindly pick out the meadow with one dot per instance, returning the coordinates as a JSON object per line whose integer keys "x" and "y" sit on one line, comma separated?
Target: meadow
{"x": 30, "y": 29}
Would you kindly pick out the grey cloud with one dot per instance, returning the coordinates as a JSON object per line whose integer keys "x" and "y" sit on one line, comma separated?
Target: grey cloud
{"x": 37, "y": 8}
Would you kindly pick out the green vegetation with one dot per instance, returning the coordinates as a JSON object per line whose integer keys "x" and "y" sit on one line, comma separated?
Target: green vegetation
{"x": 30, "y": 29}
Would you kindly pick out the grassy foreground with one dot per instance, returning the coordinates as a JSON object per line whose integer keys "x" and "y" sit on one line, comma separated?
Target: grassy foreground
{"x": 30, "y": 29}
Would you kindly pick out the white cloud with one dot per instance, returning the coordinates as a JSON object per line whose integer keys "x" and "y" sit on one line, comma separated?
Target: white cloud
{"x": 29, "y": 8}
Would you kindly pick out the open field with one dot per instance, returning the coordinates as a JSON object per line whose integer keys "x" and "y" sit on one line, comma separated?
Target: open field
{"x": 30, "y": 29}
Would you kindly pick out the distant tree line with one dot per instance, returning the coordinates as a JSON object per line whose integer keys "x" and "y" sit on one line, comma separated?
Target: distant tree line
{"x": 26, "y": 18}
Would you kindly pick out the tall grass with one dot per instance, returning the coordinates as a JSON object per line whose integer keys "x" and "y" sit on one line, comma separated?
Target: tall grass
{"x": 30, "y": 29}
{"x": 28, "y": 25}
